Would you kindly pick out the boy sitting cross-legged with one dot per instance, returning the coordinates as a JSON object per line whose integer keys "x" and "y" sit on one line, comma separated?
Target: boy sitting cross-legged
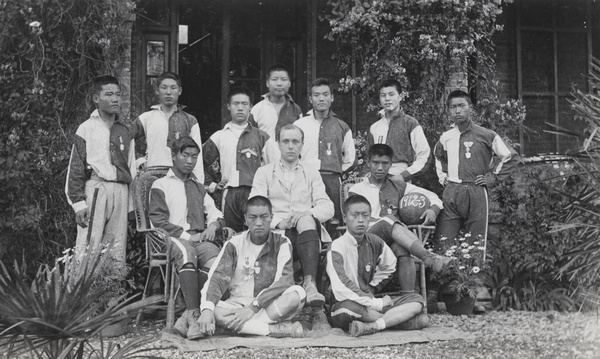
{"x": 360, "y": 264}
{"x": 255, "y": 267}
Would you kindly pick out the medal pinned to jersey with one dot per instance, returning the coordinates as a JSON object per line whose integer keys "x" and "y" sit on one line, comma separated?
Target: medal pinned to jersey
{"x": 121, "y": 145}
{"x": 256, "y": 267}
{"x": 249, "y": 152}
{"x": 368, "y": 268}
{"x": 177, "y": 135}
{"x": 329, "y": 149}
{"x": 468, "y": 145}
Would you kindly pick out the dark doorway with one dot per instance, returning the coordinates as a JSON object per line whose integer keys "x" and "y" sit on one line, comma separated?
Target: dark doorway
{"x": 260, "y": 34}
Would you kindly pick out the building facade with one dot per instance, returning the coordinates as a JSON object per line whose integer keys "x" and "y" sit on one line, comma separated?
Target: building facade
{"x": 543, "y": 51}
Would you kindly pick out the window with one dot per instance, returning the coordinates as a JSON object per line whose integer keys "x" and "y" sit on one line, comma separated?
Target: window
{"x": 554, "y": 42}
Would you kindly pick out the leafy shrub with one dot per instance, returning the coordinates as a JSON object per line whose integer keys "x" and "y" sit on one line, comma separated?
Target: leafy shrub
{"x": 526, "y": 255}
{"x": 50, "y": 50}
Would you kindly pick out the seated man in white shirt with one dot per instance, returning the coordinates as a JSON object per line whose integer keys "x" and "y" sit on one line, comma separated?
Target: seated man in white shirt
{"x": 384, "y": 193}
{"x": 359, "y": 265}
{"x": 300, "y": 205}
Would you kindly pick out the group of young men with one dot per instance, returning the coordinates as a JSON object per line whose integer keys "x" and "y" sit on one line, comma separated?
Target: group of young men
{"x": 280, "y": 179}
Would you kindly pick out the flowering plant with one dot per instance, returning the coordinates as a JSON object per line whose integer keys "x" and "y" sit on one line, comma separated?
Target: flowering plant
{"x": 465, "y": 275}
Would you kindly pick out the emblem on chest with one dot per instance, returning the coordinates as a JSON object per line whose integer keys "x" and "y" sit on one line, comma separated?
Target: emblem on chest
{"x": 468, "y": 145}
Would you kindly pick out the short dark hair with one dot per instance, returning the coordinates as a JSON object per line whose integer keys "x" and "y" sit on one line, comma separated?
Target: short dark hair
{"x": 321, "y": 81}
{"x": 458, "y": 94}
{"x": 182, "y": 143}
{"x": 277, "y": 67}
{"x": 168, "y": 75}
{"x": 354, "y": 199}
{"x": 381, "y": 149}
{"x": 391, "y": 83}
{"x": 103, "y": 80}
{"x": 258, "y": 201}
{"x": 291, "y": 126}
{"x": 240, "y": 90}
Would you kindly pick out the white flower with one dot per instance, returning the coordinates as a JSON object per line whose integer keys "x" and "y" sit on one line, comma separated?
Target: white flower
{"x": 453, "y": 247}
{"x": 467, "y": 235}
{"x": 470, "y": 247}
{"x": 461, "y": 267}
{"x": 476, "y": 242}
{"x": 480, "y": 248}
{"x": 476, "y": 269}
{"x": 449, "y": 252}
{"x": 462, "y": 239}
{"x": 467, "y": 255}
{"x": 443, "y": 238}
{"x": 464, "y": 245}
{"x": 35, "y": 24}
{"x": 464, "y": 250}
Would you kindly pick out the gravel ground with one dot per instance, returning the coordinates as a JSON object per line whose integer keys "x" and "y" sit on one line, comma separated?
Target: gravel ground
{"x": 498, "y": 335}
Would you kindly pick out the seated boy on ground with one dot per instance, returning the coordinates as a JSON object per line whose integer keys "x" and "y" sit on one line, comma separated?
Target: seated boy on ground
{"x": 384, "y": 193}
{"x": 178, "y": 205}
{"x": 255, "y": 268}
{"x": 360, "y": 264}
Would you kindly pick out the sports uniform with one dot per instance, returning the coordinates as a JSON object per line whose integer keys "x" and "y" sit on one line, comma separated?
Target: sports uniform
{"x": 160, "y": 132}
{"x": 460, "y": 158}
{"x": 328, "y": 147}
{"x": 101, "y": 167}
{"x": 357, "y": 272}
{"x": 405, "y": 136}
{"x": 241, "y": 150}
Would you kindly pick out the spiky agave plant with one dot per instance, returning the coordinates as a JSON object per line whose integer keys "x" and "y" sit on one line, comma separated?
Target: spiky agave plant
{"x": 582, "y": 215}
{"x": 55, "y": 314}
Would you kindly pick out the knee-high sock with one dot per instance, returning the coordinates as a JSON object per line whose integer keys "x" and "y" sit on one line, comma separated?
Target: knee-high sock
{"x": 255, "y": 327}
{"x": 407, "y": 273}
{"x": 307, "y": 247}
{"x": 417, "y": 250}
{"x": 188, "y": 278}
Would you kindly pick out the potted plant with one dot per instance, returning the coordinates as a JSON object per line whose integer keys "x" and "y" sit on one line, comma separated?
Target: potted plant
{"x": 462, "y": 280}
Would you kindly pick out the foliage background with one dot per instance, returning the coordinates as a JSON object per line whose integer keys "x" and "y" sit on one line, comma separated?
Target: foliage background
{"x": 50, "y": 50}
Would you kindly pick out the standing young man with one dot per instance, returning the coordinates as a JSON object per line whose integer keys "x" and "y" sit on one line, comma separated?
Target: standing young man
{"x": 255, "y": 268}
{"x": 101, "y": 167}
{"x": 401, "y": 132}
{"x": 463, "y": 157}
{"x": 241, "y": 149}
{"x": 300, "y": 205}
{"x": 277, "y": 108}
{"x": 384, "y": 194}
{"x": 180, "y": 205}
{"x": 359, "y": 265}
{"x": 165, "y": 123}
{"x": 328, "y": 143}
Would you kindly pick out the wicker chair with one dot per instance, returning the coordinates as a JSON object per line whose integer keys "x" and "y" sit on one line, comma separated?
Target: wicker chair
{"x": 157, "y": 257}
{"x": 157, "y": 243}
{"x": 423, "y": 233}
